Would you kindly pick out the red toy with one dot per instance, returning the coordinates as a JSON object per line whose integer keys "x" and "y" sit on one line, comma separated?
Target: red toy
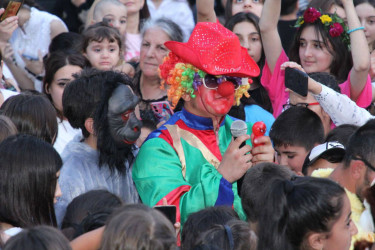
{"x": 259, "y": 129}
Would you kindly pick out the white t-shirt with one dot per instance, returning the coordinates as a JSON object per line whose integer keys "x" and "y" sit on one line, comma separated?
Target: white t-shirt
{"x": 65, "y": 134}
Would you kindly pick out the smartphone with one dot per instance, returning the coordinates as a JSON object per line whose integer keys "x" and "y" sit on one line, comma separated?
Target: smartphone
{"x": 162, "y": 110}
{"x": 169, "y": 211}
{"x": 30, "y": 58}
{"x": 12, "y": 9}
{"x": 296, "y": 81}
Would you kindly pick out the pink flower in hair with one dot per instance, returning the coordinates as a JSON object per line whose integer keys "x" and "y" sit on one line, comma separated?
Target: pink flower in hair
{"x": 336, "y": 30}
{"x": 311, "y": 14}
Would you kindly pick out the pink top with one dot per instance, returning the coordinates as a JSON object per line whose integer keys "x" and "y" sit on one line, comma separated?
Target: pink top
{"x": 275, "y": 86}
{"x": 133, "y": 46}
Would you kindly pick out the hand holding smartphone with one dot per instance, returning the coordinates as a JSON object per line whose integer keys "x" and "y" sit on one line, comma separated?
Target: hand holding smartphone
{"x": 296, "y": 81}
{"x": 12, "y": 9}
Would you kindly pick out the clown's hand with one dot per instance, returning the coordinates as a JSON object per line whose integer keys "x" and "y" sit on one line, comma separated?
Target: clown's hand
{"x": 124, "y": 126}
{"x": 263, "y": 152}
{"x": 236, "y": 161}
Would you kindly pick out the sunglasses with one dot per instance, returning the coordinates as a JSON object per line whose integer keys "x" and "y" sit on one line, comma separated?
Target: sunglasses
{"x": 368, "y": 164}
{"x": 212, "y": 82}
{"x": 304, "y": 105}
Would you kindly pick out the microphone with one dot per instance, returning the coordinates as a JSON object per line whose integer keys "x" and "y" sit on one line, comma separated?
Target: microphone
{"x": 237, "y": 129}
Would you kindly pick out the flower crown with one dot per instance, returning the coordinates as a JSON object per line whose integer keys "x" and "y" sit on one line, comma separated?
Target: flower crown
{"x": 184, "y": 78}
{"x": 335, "y": 26}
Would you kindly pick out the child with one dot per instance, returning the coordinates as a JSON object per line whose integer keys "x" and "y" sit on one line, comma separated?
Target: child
{"x": 102, "y": 46}
{"x": 253, "y": 196}
{"x": 326, "y": 155}
{"x": 101, "y": 104}
{"x": 294, "y": 133}
{"x": 114, "y": 12}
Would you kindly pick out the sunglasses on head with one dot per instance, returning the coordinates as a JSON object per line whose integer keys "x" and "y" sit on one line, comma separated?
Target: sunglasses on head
{"x": 212, "y": 82}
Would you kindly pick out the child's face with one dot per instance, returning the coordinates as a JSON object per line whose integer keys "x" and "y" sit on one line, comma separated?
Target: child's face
{"x": 253, "y": 6}
{"x": 366, "y": 14}
{"x": 116, "y": 16}
{"x": 313, "y": 54}
{"x": 292, "y": 157}
{"x": 103, "y": 55}
{"x": 249, "y": 38}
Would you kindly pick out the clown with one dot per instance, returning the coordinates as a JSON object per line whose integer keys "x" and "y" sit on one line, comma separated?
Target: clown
{"x": 192, "y": 160}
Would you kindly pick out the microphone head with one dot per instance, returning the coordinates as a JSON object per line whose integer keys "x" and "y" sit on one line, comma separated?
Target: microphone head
{"x": 238, "y": 128}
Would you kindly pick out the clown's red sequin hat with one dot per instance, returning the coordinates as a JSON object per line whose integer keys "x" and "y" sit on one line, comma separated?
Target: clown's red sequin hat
{"x": 215, "y": 50}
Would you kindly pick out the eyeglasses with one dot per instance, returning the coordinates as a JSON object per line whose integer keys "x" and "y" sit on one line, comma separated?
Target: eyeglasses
{"x": 301, "y": 104}
{"x": 368, "y": 164}
{"x": 212, "y": 82}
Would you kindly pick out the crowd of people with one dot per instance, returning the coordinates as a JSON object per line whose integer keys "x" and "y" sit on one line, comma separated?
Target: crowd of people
{"x": 174, "y": 124}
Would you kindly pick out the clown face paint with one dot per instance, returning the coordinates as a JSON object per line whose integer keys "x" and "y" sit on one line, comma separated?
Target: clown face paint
{"x": 124, "y": 126}
{"x": 212, "y": 102}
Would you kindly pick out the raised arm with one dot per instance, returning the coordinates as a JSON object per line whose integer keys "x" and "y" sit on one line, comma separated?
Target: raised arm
{"x": 360, "y": 52}
{"x": 206, "y": 11}
{"x": 270, "y": 36}
{"x": 339, "y": 107}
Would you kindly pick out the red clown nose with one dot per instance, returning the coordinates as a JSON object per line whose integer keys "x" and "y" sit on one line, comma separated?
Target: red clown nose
{"x": 225, "y": 88}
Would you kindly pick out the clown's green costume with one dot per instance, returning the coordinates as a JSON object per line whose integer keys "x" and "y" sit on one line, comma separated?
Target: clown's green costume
{"x": 179, "y": 161}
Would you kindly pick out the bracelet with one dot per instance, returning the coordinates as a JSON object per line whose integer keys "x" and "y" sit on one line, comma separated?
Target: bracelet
{"x": 38, "y": 77}
{"x": 352, "y": 30}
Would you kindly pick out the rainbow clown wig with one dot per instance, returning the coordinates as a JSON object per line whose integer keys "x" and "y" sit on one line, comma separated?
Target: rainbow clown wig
{"x": 211, "y": 49}
{"x": 184, "y": 78}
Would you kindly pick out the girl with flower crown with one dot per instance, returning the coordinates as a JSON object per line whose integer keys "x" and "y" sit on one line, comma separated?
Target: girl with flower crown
{"x": 322, "y": 44}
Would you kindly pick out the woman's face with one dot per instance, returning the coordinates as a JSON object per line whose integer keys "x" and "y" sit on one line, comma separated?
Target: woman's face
{"x": 153, "y": 51}
{"x": 249, "y": 38}
{"x": 343, "y": 229}
{"x": 58, "y": 189}
{"x": 62, "y": 77}
{"x": 366, "y": 14}
{"x": 313, "y": 54}
{"x": 133, "y": 6}
{"x": 253, "y": 6}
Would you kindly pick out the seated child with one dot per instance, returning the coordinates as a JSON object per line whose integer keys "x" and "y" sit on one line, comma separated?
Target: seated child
{"x": 294, "y": 133}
